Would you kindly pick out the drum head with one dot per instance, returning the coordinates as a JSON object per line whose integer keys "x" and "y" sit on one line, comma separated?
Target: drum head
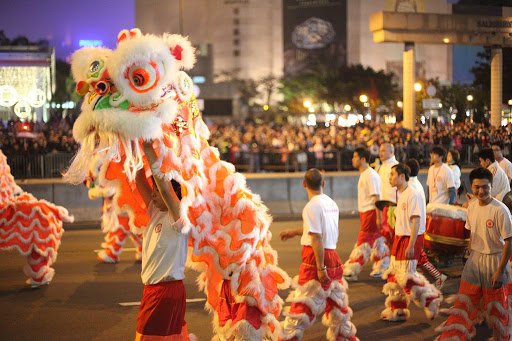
{"x": 507, "y": 200}
{"x": 383, "y": 203}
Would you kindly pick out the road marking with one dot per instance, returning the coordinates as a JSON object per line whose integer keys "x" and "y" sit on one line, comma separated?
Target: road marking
{"x": 132, "y": 304}
{"x": 124, "y": 249}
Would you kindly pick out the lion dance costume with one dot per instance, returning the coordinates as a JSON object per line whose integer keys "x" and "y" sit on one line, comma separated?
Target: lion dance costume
{"x": 138, "y": 92}
{"x": 30, "y": 226}
{"x": 115, "y": 226}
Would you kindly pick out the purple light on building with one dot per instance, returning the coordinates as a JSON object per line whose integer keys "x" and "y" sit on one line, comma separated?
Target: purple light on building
{"x": 68, "y": 24}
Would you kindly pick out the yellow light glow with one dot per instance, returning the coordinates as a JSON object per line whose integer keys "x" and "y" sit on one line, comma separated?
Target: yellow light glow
{"x": 400, "y": 104}
{"x": 417, "y": 87}
{"x": 347, "y": 107}
{"x": 469, "y": 98}
{"x": 363, "y": 98}
{"x": 446, "y": 40}
{"x": 307, "y": 103}
{"x": 265, "y": 107}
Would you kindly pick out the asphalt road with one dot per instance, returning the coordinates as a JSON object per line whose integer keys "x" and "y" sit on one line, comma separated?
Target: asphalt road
{"x": 83, "y": 301}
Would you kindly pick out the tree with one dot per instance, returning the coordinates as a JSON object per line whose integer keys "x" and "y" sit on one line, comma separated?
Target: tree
{"x": 323, "y": 82}
{"x": 482, "y": 74}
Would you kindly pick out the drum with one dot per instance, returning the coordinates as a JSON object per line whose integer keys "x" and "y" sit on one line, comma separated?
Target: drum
{"x": 445, "y": 236}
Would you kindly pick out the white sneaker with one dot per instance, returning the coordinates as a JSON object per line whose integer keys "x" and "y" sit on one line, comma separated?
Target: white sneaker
{"x": 440, "y": 281}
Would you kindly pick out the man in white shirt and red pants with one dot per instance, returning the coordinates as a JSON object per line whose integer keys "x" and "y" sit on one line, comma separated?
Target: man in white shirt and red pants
{"x": 319, "y": 287}
{"x": 389, "y": 193}
{"x": 370, "y": 242}
{"x": 486, "y": 274}
{"x": 403, "y": 282}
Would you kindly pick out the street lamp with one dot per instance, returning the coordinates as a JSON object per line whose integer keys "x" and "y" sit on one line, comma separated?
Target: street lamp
{"x": 400, "y": 104}
{"x": 510, "y": 102}
{"x": 347, "y": 107}
{"x": 417, "y": 87}
{"x": 470, "y": 99}
{"x": 363, "y": 98}
{"x": 307, "y": 103}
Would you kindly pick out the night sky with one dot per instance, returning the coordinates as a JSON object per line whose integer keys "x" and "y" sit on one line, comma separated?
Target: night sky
{"x": 65, "y": 22}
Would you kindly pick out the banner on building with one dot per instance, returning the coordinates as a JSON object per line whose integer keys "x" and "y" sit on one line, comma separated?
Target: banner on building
{"x": 313, "y": 28}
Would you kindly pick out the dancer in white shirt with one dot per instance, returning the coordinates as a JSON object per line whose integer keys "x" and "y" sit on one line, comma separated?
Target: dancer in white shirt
{"x": 500, "y": 183}
{"x": 440, "y": 183}
{"x": 453, "y": 159}
{"x": 319, "y": 287}
{"x": 486, "y": 275}
{"x": 403, "y": 282}
{"x": 423, "y": 261}
{"x": 370, "y": 242}
{"x": 505, "y": 164}
{"x": 389, "y": 193}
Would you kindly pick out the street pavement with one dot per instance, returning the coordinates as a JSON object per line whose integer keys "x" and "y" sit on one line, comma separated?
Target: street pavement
{"x": 83, "y": 301}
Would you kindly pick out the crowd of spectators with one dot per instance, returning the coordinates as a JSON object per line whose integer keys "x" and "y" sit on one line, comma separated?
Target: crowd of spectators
{"x": 37, "y": 138}
{"x": 252, "y": 144}
{"x": 237, "y": 140}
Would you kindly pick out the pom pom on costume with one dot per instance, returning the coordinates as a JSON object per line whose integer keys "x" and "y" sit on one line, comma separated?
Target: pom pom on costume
{"x": 150, "y": 98}
{"x": 30, "y": 226}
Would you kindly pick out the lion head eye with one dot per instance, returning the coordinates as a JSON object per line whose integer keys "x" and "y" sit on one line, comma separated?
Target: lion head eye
{"x": 95, "y": 69}
{"x": 143, "y": 77}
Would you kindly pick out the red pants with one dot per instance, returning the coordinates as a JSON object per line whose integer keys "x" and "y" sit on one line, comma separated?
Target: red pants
{"x": 162, "y": 312}
{"x": 400, "y": 244}
{"x": 369, "y": 230}
{"x": 230, "y": 310}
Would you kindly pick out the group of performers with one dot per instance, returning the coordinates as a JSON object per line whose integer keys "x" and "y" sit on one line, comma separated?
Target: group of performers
{"x": 140, "y": 131}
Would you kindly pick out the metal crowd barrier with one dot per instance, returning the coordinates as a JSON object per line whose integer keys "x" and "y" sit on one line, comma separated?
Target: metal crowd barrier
{"x": 52, "y": 165}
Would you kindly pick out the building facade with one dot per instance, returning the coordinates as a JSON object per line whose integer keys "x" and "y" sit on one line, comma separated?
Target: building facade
{"x": 248, "y": 38}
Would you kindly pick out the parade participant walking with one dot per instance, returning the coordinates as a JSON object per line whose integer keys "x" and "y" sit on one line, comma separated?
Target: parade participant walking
{"x": 500, "y": 183}
{"x": 319, "y": 287}
{"x": 440, "y": 182}
{"x": 164, "y": 253}
{"x": 403, "y": 282}
{"x": 483, "y": 285}
{"x": 389, "y": 193}
{"x": 505, "y": 164}
{"x": 453, "y": 159}
{"x": 370, "y": 243}
{"x": 424, "y": 262}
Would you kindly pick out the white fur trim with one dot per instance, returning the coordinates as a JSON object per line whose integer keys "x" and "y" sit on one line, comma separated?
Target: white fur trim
{"x": 82, "y": 59}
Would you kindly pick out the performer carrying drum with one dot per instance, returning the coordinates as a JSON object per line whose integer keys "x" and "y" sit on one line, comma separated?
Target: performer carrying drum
{"x": 369, "y": 239}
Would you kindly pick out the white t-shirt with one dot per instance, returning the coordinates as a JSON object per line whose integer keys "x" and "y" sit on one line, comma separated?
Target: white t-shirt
{"x": 368, "y": 185}
{"x": 388, "y": 192}
{"x": 456, "y": 175}
{"x": 410, "y": 203}
{"x": 439, "y": 179}
{"x": 321, "y": 215}
{"x": 416, "y": 184}
{"x": 500, "y": 183}
{"x": 506, "y": 165}
{"x": 164, "y": 249}
{"x": 490, "y": 225}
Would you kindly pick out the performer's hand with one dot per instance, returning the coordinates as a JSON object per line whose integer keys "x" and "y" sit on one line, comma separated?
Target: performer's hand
{"x": 379, "y": 224}
{"x": 323, "y": 277}
{"x": 497, "y": 280}
{"x": 409, "y": 252}
{"x": 286, "y": 234}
